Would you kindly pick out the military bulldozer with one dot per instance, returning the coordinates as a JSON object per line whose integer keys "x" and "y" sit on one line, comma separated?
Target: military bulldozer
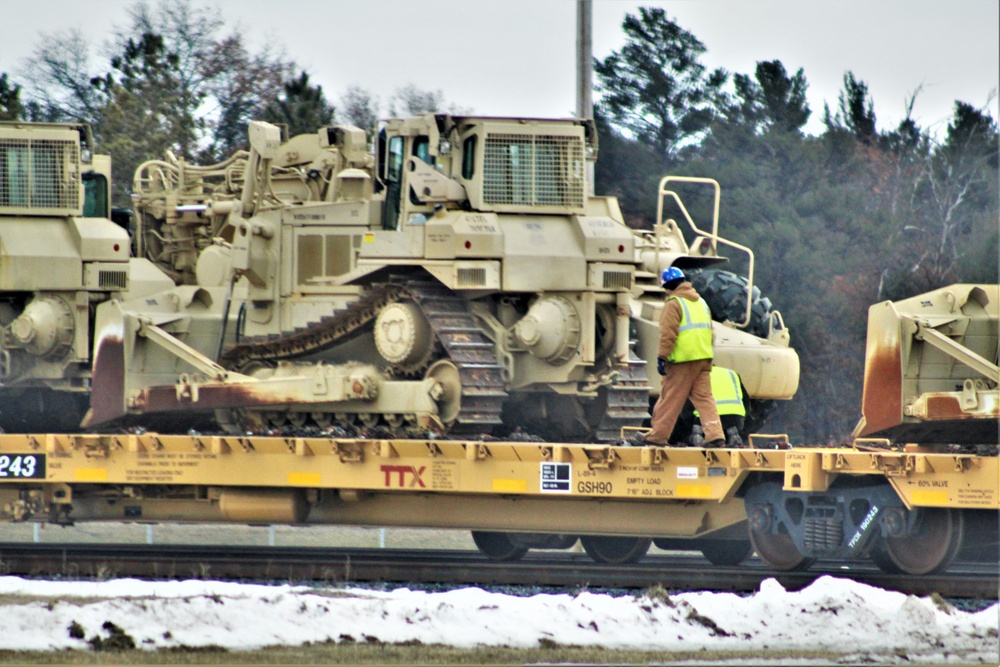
{"x": 60, "y": 256}
{"x": 460, "y": 277}
{"x": 931, "y": 369}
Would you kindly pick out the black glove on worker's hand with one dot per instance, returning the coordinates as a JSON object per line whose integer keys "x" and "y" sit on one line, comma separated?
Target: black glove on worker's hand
{"x": 661, "y": 366}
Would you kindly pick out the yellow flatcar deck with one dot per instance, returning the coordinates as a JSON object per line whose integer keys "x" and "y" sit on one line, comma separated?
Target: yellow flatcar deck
{"x": 653, "y": 491}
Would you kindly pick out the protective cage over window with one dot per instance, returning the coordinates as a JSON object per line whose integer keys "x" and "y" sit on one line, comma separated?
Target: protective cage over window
{"x": 40, "y": 175}
{"x": 533, "y": 171}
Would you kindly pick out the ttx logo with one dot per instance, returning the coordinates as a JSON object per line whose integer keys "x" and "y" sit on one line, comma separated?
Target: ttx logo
{"x": 402, "y": 472}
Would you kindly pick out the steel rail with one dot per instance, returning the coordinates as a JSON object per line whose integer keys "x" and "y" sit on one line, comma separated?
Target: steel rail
{"x": 677, "y": 571}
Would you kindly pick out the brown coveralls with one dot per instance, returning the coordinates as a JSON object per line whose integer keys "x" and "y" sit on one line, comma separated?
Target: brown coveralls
{"x": 687, "y": 379}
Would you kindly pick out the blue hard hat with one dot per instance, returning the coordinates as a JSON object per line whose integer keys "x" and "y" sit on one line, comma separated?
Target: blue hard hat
{"x": 671, "y": 274}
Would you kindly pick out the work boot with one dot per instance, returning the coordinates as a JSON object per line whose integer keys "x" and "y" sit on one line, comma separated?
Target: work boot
{"x": 712, "y": 444}
{"x": 641, "y": 441}
{"x": 697, "y": 437}
{"x": 733, "y": 439}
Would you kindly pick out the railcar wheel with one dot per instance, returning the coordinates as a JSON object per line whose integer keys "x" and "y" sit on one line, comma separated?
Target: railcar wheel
{"x": 931, "y": 548}
{"x": 498, "y": 546}
{"x": 726, "y": 552}
{"x": 615, "y": 550}
{"x": 778, "y": 551}
{"x": 563, "y": 542}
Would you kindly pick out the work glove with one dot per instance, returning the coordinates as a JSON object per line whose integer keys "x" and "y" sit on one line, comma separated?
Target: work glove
{"x": 661, "y": 366}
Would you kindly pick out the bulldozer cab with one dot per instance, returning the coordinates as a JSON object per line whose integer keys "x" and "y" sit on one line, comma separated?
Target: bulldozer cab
{"x": 392, "y": 158}
{"x": 50, "y": 169}
{"x": 484, "y": 164}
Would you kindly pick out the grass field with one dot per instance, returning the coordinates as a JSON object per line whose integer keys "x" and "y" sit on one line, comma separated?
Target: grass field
{"x": 385, "y": 654}
{"x": 239, "y": 535}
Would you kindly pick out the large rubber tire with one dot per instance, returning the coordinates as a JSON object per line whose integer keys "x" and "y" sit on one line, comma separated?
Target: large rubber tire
{"x": 726, "y": 296}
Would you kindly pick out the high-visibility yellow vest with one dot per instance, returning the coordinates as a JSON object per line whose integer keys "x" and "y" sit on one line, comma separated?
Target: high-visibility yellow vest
{"x": 727, "y": 392}
{"x": 694, "y": 335}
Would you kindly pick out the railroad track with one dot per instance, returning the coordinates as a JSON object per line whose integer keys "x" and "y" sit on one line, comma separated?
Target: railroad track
{"x": 555, "y": 569}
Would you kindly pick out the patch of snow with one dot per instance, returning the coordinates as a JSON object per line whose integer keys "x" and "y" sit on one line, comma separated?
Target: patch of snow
{"x": 842, "y": 616}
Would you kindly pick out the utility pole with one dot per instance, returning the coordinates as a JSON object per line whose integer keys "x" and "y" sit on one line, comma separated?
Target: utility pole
{"x": 584, "y": 60}
{"x": 585, "y": 73}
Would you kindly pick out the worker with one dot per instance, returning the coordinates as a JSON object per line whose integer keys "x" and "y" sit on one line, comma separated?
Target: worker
{"x": 684, "y": 359}
{"x": 730, "y": 402}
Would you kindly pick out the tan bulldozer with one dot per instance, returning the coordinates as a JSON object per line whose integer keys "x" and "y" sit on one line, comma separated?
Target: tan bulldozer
{"x": 454, "y": 274}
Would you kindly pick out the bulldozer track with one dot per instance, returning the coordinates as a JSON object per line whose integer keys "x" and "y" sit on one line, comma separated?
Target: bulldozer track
{"x": 328, "y": 332}
{"x": 466, "y": 346}
{"x": 458, "y": 339}
{"x": 627, "y": 399}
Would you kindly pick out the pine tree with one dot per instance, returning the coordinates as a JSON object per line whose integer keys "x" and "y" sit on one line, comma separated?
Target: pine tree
{"x": 655, "y": 88}
{"x": 856, "y": 111}
{"x": 302, "y": 107}
{"x": 10, "y": 100}
{"x": 770, "y": 99}
{"x": 146, "y": 111}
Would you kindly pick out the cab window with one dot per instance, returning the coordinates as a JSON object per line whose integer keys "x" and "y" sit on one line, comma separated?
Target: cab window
{"x": 395, "y": 167}
{"x": 422, "y": 149}
{"x": 95, "y": 196}
{"x": 469, "y": 157}
{"x": 14, "y": 175}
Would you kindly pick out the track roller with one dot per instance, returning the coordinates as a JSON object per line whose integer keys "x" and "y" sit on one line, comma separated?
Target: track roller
{"x": 450, "y": 401}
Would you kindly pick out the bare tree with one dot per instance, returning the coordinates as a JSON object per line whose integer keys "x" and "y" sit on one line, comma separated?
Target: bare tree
{"x": 239, "y": 84}
{"x": 359, "y": 107}
{"x": 412, "y": 101}
{"x": 215, "y": 80}
{"x": 58, "y": 76}
{"x": 949, "y": 185}
{"x": 189, "y": 32}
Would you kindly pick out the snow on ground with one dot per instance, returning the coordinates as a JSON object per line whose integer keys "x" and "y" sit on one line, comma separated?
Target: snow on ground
{"x": 839, "y": 615}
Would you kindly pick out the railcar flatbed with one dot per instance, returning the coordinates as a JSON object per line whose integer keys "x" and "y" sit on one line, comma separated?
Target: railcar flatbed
{"x": 524, "y": 487}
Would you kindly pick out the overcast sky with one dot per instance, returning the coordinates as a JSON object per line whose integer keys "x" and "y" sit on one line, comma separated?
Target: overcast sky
{"x": 516, "y": 57}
